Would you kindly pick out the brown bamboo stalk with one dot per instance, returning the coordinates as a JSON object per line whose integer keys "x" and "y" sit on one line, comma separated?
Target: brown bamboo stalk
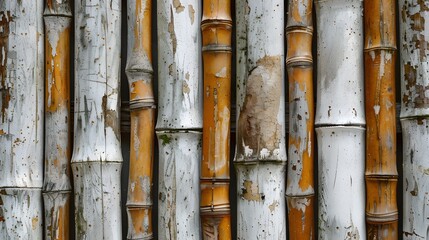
{"x": 381, "y": 175}
{"x": 299, "y": 62}
{"x": 142, "y": 106}
{"x": 216, "y": 35}
{"x": 57, "y": 187}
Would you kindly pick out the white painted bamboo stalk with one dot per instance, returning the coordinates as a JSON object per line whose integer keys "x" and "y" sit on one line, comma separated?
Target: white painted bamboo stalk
{"x": 21, "y": 119}
{"x": 179, "y": 122}
{"x": 261, "y": 151}
{"x": 340, "y": 119}
{"x": 415, "y": 117}
{"x": 97, "y": 159}
{"x": 142, "y": 106}
{"x": 57, "y": 186}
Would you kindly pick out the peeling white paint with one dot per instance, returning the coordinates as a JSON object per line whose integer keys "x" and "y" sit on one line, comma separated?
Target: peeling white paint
{"x": 221, "y": 73}
{"x": 377, "y": 109}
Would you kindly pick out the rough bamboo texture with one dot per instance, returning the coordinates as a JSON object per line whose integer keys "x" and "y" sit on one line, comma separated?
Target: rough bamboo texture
{"x": 414, "y": 116}
{"x": 180, "y": 121}
{"x": 97, "y": 159}
{"x": 260, "y": 159}
{"x": 340, "y": 119}
{"x": 216, "y": 29}
{"x": 299, "y": 62}
{"x": 142, "y": 106}
{"x": 57, "y": 186}
{"x": 381, "y": 175}
{"x": 21, "y": 119}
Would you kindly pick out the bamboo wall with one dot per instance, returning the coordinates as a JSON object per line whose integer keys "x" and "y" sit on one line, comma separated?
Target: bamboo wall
{"x": 125, "y": 118}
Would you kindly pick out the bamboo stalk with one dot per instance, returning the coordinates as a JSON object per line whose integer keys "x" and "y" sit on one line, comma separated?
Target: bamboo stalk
{"x": 216, "y": 35}
{"x": 142, "y": 106}
{"x": 21, "y": 119}
{"x": 414, "y": 117}
{"x": 261, "y": 150}
{"x": 299, "y": 61}
{"x": 96, "y": 161}
{"x": 340, "y": 119}
{"x": 179, "y": 121}
{"x": 56, "y": 186}
{"x": 381, "y": 175}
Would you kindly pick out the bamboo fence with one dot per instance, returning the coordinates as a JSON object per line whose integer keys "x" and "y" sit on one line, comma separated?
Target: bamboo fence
{"x": 216, "y": 28}
{"x": 260, "y": 158}
{"x": 57, "y": 183}
{"x": 414, "y": 117}
{"x": 97, "y": 159}
{"x": 340, "y": 119}
{"x": 300, "y": 180}
{"x": 21, "y": 123}
{"x": 179, "y": 124}
{"x": 381, "y": 175}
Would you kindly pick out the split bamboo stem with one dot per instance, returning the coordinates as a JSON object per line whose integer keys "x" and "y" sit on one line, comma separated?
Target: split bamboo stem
{"x": 57, "y": 186}
{"x": 260, "y": 158}
{"x": 340, "y": 119}
{"x": 96, "y": 161}
{"x": 216, "y": 50}
{"x": 142, "y": 106}
{"x": 21, "y": 119}
{"x": 179, "y": 122}
{"x": 299, "y": 61}
{"x": 415, "y": 116}
{"x": 381, "y": 175}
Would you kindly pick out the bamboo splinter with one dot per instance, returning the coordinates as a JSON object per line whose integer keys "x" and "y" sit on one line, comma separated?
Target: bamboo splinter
{"x": 216, "y": 32}
{"x": 142, "y": 105}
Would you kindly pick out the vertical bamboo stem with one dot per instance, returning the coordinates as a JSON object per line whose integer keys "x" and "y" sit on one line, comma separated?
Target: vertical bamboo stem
{"x": 414, "y": 116}
{"x": 340, "y": 119}
{"x": 142, "y": 105}
{"x": 56, "y": 186}
{"x": 261, "y": 150}
{"x": 179, "y": 122}
{"x": 381, "y": 175}
{"x": 97, "y": 159}
{"x": 21, "y": 119}
{"x": 299, "y": 61}
{"x": 216, "y": 32}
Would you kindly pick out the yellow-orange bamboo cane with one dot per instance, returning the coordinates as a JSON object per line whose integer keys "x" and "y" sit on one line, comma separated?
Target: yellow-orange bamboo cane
{"x": 57, "y": 187}
{"x": 216, "y": 34}
{"x": 381, "y": 175}
{"x": 142, "y": 105}
{"x": 299, "y": 61}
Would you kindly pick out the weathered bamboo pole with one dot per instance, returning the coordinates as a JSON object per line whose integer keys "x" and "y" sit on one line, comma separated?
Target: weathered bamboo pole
{"x": 381, "y": 176}
{"x": 216, "y": 29}
{"x": 21, "y": 119}
{"x": 299, "y": 61}
{"x": 260, "y": 159}
{"x": 415, "y": 116}
{"x": 142, "y": 106}
{"x": 57, "y": 186}
{"x": 96, "y": 161}
{"x": 340, "y": 119}
{"x": 179, "y": 122}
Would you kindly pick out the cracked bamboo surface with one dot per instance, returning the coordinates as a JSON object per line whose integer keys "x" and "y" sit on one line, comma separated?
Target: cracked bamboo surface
{"x": 340, "y": 119}
{"x": 414, "y": 116}
{"x": 96, "y": 161}
{"x": 260, "y": 158}
{"x": 216, "y": 29}
{"x": 142, "y": 106}
{"x": 57, "y": 186}
{"x": 381, "y": 175}
{"x": 299, "y": 60}
{"x": 179, "y": 123}
{"x": 21, "y": 119}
